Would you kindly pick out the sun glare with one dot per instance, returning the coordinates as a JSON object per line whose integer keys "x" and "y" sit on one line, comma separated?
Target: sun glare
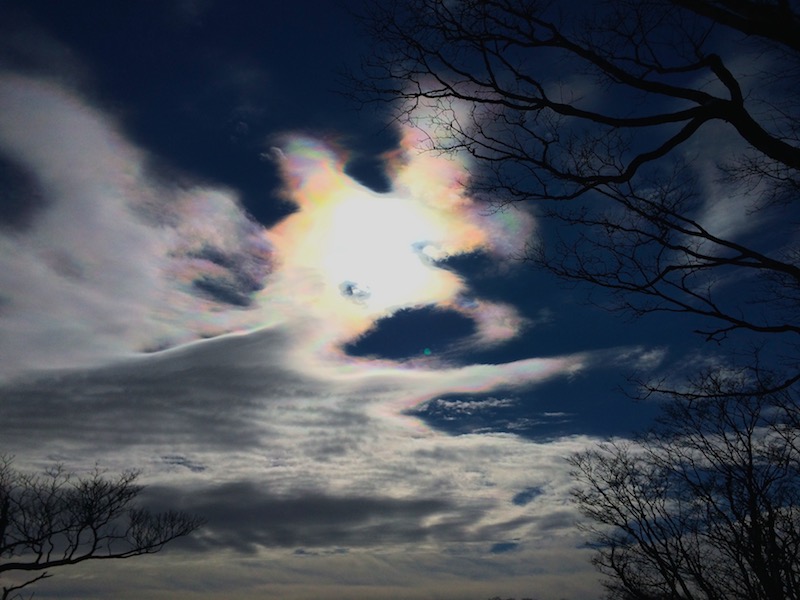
{"x": 360, "y": 255}
{"x": 376, "y": 244}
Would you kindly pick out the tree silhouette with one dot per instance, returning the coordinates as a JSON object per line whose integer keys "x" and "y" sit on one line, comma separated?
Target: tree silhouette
{"x": 662, "y": 140}
{"x": 56, "y": 519}
{"x": 612, "y": 115}
{"x": 706, "y": 505}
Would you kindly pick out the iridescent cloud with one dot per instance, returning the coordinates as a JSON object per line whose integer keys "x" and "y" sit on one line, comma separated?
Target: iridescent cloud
{"x": 350, "y": 256}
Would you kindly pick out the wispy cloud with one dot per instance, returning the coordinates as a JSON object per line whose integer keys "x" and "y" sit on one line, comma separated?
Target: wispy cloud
{"x": 111, "y": 263}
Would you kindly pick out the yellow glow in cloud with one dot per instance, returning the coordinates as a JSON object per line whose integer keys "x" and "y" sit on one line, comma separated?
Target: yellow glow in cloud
{"x": 350, "y": 256}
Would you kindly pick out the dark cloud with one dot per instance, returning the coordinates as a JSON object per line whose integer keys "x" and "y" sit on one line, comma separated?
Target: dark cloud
{"x": 232, "y": 277}
{"x": 223, "y": 289}
{"x": 355, "y": 292}
{"x": 206, "y": 393}
{"x": 304, "y": 552}
{"x": 65, "y": 265}
{"x": 563, "y": 520}
{"x": 246, "y": 515}
{"x": 181, "y": 461}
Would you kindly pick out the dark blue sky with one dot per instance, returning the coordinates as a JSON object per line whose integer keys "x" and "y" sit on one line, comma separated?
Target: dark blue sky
{"x": 203, "y": 85}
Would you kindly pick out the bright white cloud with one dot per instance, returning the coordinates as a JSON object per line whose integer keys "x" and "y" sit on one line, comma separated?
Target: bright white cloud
{"x": 112, "y": 263}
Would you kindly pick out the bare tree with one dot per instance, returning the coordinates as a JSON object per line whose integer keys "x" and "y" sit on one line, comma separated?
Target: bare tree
{"x": 706, "y": 505}
{"x": 57, "y": 519}
{"x": 602, "y": 112}
{"x": 632, "y": 125}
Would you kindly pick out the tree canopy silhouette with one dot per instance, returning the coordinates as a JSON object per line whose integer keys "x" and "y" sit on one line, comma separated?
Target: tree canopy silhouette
{"x": 706, "y": 505}
{"x": 660, "y": 136}
{"x": 57, "y": 518}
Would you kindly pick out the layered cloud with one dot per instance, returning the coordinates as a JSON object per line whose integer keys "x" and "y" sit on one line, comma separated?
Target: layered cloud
{"x": 286, "y": 465}
{"x": 293, "y": 449}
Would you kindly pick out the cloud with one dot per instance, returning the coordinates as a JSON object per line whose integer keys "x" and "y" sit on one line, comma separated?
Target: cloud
{"x": 202, "y": 267}
{"x": 110, "y": 263}
{"x": 385, "y": 247}
{"x": 360, "y": 575}
{"x": 269, "y": 428}
{"x": 308, "y": 519}
{"x": 278, "y": 460}
{"x": 255, "y": 512}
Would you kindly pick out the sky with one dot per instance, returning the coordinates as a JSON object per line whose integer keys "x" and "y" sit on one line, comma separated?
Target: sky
{"x": 288, "y": 317}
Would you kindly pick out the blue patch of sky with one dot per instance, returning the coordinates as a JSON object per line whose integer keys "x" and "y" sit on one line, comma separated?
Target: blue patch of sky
{"x": 526, "y": 496}
{"x": 413, "y": 333}
{"x": 550, "y": 411}
{"x": 503, "y": 547}
{"x": 369, "y": 170}
{"x": 564, "y": 318}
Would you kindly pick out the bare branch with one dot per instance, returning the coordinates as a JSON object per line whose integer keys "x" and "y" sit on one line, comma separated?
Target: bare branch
{"x": 58, "y": 519}
{"x": 706, "y": 505}
{"x": 493, "y": 79}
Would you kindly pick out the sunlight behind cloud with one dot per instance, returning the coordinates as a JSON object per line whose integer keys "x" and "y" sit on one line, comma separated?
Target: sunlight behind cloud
{"x": 358, "y": 256}
{"x": 345, "y": 259}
